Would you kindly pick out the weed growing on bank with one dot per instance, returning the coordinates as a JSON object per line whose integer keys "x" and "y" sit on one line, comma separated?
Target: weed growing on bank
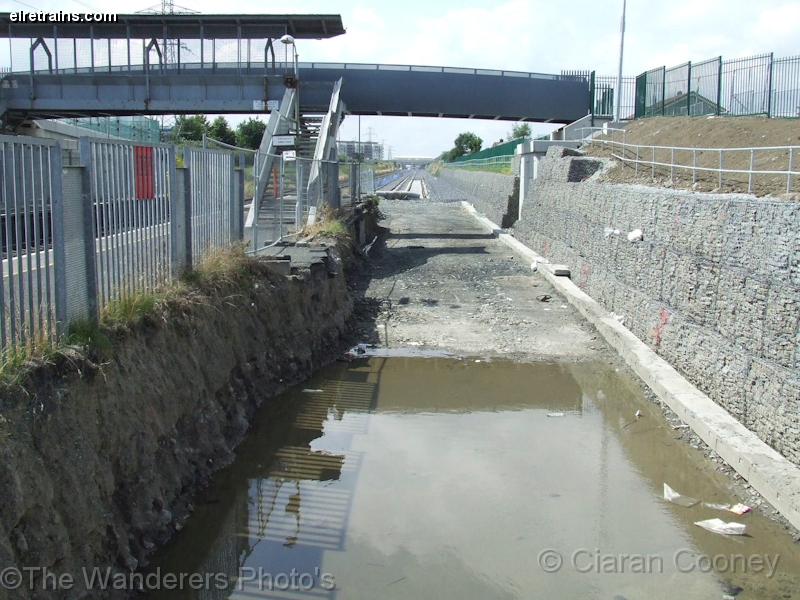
{"x": 226, "y": 272}
{"x": 328, "y": 225}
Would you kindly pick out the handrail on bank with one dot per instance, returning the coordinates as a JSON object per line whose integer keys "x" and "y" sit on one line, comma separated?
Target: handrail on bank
{"x": 621, "y": 149}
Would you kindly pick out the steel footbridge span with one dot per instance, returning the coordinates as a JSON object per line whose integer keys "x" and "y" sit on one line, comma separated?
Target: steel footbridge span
{"x": 178, "y": 63}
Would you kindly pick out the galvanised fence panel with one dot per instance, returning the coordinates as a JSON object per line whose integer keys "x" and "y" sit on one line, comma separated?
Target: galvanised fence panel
{"x": 746, "y": 85}
{"x": 32, "y": 286}
{"x": 212, "y": 199}
{"x": 786, "y": 87}
{"x": 704, "y": 87}
{"x": 132, "y": 190}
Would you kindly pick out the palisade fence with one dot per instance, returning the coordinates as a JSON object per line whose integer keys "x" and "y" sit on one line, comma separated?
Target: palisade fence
{"x": 758, "y": 85}
{"x": 125, "y": 222}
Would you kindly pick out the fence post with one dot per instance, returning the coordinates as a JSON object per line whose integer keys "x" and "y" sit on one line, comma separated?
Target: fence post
{"x": 238, "y": 231}
{"x": 182, "y": 226}
{"x": 769, "y": 89}
{"x": 663, "y": 91}
{"x": 688, "y": 89}
{"x": 789, "y": 174}
{"x": 750, "y": 174}
{"x": 233, "y": 225}
{"x": 718, "y": 109}
{"x": 58, "y": 240}
{"x": 592, "y": 97}
{"x": 89, "y": 246}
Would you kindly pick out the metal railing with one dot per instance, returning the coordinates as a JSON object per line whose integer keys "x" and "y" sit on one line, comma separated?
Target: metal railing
{"x": 708, "y": 164}
{"x": 288, "y": 200}
{"x": 33, "y": 277}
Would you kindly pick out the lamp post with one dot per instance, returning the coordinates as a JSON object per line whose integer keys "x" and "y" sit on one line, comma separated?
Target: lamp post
{"x": 617, "y": 111}
{"x": 289, "y": 41}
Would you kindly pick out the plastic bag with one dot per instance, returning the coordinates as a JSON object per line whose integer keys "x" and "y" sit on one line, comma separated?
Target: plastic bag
{"x": 674, "y": 497}
{"x": 720, "y": 526}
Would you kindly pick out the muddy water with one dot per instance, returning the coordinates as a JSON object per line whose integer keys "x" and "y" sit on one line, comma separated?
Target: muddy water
{"x": 412, "y": 478}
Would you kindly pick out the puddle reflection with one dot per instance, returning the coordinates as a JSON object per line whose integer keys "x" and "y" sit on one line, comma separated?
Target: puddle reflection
{"x": 410, "y": 478}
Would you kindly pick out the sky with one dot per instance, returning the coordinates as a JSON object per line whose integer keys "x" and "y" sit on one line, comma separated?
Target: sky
{"x": 522, "y": 35}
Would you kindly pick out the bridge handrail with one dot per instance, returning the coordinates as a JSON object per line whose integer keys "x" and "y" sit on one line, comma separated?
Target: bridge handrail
{"x": 259, "y": 67}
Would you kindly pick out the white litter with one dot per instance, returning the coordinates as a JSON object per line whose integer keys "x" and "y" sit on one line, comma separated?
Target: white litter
{"x": 620, "y": 318}
{"x": 310, "y": 391}
{"x": 635, "y": 236}
{"x": 674, "y": 497}
{"x": 556, "y": 414}
{"x": 720, "y": 526}
{"x": 609, "y": 231}
{"x": 534, "y": 265}
{"x": 713, "y": 506}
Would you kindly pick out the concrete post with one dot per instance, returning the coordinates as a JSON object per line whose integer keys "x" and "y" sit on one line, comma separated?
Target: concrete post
{"x": 182, "y": 222}
{"x": 87, "y": 235}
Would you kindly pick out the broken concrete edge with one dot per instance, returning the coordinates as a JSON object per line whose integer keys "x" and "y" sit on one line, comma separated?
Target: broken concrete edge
{"x": 771, "y": 474}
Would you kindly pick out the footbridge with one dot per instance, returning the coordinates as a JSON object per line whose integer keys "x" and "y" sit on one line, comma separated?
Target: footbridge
{"x": 157, "y": 64}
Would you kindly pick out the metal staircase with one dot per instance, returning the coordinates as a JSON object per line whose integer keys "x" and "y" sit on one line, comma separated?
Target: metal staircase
{"x": 277, "y": 206}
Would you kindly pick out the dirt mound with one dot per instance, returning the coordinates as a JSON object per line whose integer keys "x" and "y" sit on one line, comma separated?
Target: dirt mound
{"x": 707, "y": 132}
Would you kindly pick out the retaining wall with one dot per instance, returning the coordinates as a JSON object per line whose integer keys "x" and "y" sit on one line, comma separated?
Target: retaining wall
{"x": 713, "y": 287}
{"x": 494, "y": 194}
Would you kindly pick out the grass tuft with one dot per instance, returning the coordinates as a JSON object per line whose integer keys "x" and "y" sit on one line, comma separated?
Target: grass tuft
{"x": 327, "y": 225}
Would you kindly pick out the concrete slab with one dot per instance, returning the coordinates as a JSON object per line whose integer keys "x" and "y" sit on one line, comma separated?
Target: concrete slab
{"x": 772, "y": 475}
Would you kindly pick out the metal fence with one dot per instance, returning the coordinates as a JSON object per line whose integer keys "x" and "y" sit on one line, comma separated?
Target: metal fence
{"x": 124, "y": 222}
{"x": 291, "y": 198}
{"x": 603, "y": 93}
{"x": 213, "y": 212}
{"x": 758, "y": 85}
{"x": 33, "y": 277}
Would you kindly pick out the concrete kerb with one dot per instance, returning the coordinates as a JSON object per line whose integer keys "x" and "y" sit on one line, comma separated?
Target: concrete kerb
{"x": 771, "y": 474}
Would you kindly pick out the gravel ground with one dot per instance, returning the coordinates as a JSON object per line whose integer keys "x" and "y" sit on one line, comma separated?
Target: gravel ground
{"x": 439, "y": 189}
{"x": 440, "y": 281}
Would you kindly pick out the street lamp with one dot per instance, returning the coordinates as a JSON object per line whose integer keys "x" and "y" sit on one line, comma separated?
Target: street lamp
{"x": 289, "y": 41}
{"x": 617, "y": 112}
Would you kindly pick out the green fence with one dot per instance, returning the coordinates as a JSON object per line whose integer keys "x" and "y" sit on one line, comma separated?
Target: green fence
{"x": 137, "y": 129}
{"x": 758, "y": 85}
{"x": 505, "y": 149}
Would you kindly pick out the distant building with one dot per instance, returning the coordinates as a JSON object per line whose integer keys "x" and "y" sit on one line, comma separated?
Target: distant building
{"x": 369, "y": 151}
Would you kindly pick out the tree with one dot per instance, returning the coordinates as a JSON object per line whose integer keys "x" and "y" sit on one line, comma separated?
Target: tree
{"x": 519, "y": 130}
{"x": 221, "y": 131}
{"x": 249, "y": 133}
{"x": 190, "y": 129}
{"x": 465, "y": 143}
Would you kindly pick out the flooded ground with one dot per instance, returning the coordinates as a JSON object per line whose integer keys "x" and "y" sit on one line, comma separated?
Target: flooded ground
{"x": 411, "y": 477}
